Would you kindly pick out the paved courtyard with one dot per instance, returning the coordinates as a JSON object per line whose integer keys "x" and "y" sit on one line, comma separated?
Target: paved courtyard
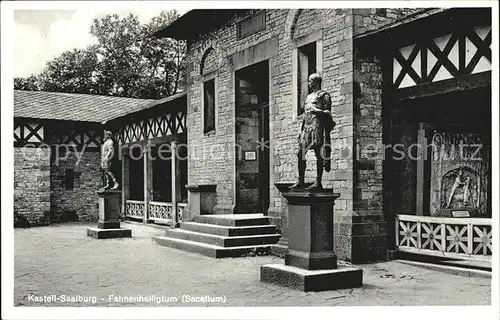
{"x": 60, "y": 261}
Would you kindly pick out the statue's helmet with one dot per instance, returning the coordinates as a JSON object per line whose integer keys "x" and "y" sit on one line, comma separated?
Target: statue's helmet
{"x": 107, "y": 134}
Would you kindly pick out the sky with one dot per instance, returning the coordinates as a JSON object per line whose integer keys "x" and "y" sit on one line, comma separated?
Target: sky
{"x": 41, "y": 35}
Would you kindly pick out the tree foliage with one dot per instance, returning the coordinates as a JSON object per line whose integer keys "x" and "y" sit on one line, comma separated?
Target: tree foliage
{"x": 127, "y": 61}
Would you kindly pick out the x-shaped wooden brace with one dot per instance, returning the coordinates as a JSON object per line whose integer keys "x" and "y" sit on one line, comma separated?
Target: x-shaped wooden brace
{"x": 33, "y": 132}
{"x": 442, "y": 57}
{"x": 150, "y": 131}
{"x": 93, "y": 137}
{"x": 72, "y": 138}
{"x": 179, "y": 116}
{"x": 483, "y": 48}
{"x": 406, "y": 67}
{"x": 129, "y": 131}
{"x": 170, "y": 124}
{"x": 20, "y": 132}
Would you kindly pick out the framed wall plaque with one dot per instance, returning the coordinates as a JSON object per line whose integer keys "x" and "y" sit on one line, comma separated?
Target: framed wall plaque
{"x": 250, "y": 155}
{"x": 460, "y": 213}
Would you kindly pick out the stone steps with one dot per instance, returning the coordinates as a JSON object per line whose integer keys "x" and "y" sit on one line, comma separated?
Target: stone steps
{"x": 223, "y": 241}
{"x": 227, "y": 231}
{"x": 233, "y": 220}
{"x": 222, "y": 236}
{"x": 211, "y": 250}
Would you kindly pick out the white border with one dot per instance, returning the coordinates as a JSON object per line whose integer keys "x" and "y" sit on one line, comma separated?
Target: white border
{"x": 8, "y": 312}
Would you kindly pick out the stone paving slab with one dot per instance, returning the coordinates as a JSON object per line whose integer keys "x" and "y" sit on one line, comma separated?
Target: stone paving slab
{"x": 62, "y": 260}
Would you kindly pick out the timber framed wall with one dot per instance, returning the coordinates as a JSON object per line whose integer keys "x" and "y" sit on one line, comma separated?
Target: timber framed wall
{"x": 428, "y": 83}
{"x": 56, "y": 170}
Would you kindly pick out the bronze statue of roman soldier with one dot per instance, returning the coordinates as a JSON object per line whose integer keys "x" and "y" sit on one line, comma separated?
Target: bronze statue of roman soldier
{"x": 315, "y": 132}
{"x": 107, "y": 153}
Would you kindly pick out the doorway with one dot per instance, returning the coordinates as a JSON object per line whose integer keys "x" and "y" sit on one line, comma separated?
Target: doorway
{"x": 252, "y": 138}
{"x": 455, "y": 131}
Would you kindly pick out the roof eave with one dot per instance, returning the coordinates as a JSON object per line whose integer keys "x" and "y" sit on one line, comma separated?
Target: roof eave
{"x": 404, "y": 31}
{"x": 169, "y": 30}
{"x": 151, "y": 106}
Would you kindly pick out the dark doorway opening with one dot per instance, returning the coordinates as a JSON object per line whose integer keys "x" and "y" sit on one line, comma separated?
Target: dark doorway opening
{"x": 136, "y": 174}
{"x": 252, "y": 138}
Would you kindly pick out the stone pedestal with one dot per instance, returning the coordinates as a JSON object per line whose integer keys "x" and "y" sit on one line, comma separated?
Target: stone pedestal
{"x": 311, "y": 264}
{"x": 201, "y": 200}
{"x": 108, "y": 225}
{"x": 281, "y": 248}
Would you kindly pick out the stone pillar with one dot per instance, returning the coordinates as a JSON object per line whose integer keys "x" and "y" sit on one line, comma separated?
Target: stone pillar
{"x": 201, "y": 200}
{"x": 108, "y": 225}
{"x": 311, "y": 264}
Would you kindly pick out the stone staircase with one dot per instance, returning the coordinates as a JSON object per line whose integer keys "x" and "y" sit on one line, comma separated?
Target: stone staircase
{"x": 223, "y": 236}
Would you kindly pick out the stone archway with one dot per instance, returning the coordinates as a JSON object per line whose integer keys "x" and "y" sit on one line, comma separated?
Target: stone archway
{"x": 290, "y": 23}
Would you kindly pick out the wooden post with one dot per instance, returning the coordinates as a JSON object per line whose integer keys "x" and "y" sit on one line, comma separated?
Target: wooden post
{"x": 148, "y": 180}
{"x": 423, "y": 169}
{"x": 178, "y": 175}
{"x": 420, "y": 169}
{"x": 125, "y": 181}
{"x": 173, "y": 151}
{"x": 443, "y": 238}
{"x": 419, "y": 235}
{"x": 470, "y": 239}
{"x": 397, "y": 232}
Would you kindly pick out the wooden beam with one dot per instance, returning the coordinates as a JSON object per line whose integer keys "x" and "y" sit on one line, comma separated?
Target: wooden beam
{"x": 461, "y": 83}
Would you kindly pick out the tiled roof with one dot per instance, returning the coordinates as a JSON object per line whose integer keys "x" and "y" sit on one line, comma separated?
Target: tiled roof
{"x": 160, "y": 103}
{"x": 420, "y": 14}
{"x": 74, "y": 106}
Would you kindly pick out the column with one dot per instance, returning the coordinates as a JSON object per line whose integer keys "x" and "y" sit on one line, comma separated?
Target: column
{"x": 125, "y": 180}
{"x": 148, "y": 180}
{"x": 423, "y": 170}
{"x": 173, "y": 148}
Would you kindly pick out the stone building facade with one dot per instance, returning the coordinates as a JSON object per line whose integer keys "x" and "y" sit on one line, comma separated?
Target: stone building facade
{"x": 219, "y": 53}
{"x": 229, "y": 49}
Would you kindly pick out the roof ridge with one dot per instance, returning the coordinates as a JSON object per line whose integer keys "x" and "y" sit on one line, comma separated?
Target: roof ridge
{"x": 83, "y": 94}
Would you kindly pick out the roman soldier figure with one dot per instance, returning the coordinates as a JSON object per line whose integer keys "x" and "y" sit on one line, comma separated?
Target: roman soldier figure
{"x": 107, "y": 153}
{"x": 315, "y": 132}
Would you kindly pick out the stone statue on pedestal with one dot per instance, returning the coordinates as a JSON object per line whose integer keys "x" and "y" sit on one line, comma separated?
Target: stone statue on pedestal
{"x": 315, "y": 132}
{"x": 107, "y": 153}
{"x": 311, "y": 263}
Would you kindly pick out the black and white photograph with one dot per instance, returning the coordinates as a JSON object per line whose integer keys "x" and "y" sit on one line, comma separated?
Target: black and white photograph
{"x": 180, "y": 159}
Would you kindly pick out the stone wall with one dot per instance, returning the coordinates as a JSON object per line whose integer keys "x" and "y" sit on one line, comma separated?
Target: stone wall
{"x": 31, "y": 185}
{"x": 372, "y": 18}
{"x": 356, "y": 105}
{"x": 364, "y": 231}
{"x": 283, "y": 26}
{"x": 365, "y": 228}
{"x": 81, "y": 202}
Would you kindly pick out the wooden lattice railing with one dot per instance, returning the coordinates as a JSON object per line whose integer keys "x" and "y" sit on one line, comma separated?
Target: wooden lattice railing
{"x": 452, "y": 237}
{"x": 134, "y": 209}
{"x": 160, "y": 211}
